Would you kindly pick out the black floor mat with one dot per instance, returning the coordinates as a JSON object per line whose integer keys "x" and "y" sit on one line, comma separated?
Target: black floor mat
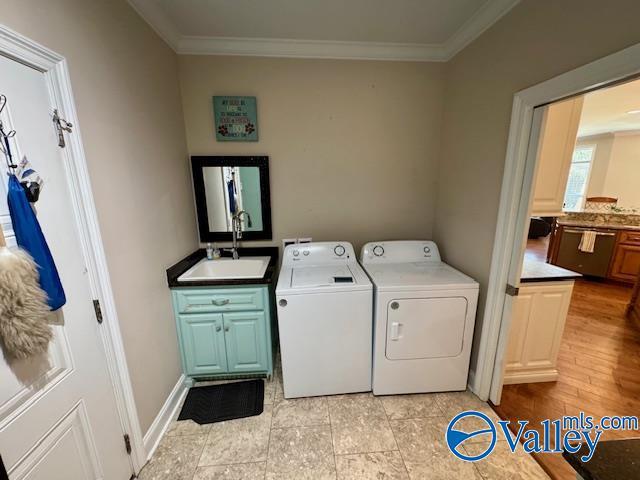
{"x": 217, "y": 403}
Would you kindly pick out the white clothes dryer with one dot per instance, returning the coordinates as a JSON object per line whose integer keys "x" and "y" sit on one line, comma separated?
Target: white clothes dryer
{"x": 424, "y": 316}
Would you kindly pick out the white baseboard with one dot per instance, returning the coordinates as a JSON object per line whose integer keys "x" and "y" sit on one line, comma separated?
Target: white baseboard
{"x": 164, "y": 418}
{"x": 548, "y": 375}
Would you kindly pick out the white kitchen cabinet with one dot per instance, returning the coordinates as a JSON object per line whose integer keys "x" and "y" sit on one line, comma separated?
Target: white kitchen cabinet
{"x": 538, "y": 318}
{"x": 555, "y": 151}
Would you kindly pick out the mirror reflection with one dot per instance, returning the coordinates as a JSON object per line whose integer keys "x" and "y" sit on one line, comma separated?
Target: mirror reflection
{"x": 232, "y": 191}
{"x": 229, "y": 190}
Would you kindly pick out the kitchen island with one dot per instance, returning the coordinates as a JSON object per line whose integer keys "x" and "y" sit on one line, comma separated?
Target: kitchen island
{"x": 539, "y": 313}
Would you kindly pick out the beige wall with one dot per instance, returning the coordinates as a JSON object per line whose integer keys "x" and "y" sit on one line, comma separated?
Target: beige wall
{"x": 352, "y": 144}
{"x": 615, "y": 170}
{"x": 537, "y": 40}
{"x": 126, "y": 90}
{"x": 599, "y": 162}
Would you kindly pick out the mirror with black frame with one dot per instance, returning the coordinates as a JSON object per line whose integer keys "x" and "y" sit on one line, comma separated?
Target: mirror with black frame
{"x": 224, "y": 187}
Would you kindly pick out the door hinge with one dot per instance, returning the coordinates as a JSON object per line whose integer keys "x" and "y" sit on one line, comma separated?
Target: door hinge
{"x": 127, "y": 443}
{"x": 98, "y": 310}
{"x": 61, "y": 126}
{"x": 512, "y": 291}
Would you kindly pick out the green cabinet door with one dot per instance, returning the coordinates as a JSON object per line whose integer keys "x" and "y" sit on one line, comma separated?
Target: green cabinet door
{"x": 203, "y": 343}
{"x": 246, "y": 342}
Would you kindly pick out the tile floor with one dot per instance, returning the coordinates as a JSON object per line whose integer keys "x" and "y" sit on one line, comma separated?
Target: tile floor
{"x": 355, "y": 436}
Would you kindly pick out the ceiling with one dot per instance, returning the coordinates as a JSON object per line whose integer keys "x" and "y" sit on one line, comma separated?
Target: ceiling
{"x": 605, "y": 110}
{"x": 421, "y": 30}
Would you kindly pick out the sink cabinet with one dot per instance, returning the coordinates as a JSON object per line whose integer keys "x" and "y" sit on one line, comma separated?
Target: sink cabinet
{"x": 225, "y": 331}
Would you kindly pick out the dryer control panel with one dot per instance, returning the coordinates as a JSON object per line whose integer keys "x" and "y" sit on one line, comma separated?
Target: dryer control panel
{"x": 319, "y": 253}
{"x": 400, "y": 252}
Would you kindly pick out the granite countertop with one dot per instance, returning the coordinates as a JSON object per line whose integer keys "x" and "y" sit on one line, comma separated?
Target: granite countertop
{"x": 612, "y": 460}
{"x": 539, "y": 271}
{"x": 597, "y": 224}
{"x": 189, "y": 261}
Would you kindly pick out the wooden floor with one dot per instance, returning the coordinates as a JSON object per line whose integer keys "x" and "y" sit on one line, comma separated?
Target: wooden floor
{"x": 537, "y": 249}
{"x": 599, "y": 369}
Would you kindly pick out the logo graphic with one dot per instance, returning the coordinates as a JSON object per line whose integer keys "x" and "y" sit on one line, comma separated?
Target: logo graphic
{"x": 456, "y": 437}
{"x": 567, "y": 434}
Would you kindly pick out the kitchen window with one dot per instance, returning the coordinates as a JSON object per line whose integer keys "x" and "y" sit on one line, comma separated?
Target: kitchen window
{"x": 579, "y": 171}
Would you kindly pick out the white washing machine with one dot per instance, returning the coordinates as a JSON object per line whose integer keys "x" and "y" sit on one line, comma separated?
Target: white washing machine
{"x": 325, "y": 308}
{"x": 424, "y": 316}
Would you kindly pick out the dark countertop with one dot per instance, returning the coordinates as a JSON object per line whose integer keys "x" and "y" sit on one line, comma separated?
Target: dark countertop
{"x": 539, "y": 271}
{"x": 186, "y": 263}
{"x": 612, "y": 460}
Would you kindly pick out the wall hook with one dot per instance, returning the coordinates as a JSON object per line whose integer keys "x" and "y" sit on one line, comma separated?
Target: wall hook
{"x": 61, "y": 126}
{"x": 5, "y": 147}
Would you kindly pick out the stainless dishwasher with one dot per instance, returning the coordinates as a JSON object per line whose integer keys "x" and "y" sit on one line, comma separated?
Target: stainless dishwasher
{"x": 595, "y": 264}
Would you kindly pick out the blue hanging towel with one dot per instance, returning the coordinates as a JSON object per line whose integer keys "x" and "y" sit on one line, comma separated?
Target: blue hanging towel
{"x": 231, "y": 188}
{"x": 30, "y": 237}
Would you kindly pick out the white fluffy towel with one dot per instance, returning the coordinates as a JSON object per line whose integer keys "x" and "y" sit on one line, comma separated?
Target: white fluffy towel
{"x": 588, "y": 241}
{"x": 24, "y": 330}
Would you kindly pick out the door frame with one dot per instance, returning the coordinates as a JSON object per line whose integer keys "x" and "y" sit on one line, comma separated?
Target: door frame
{"x": 54, "y": 67}
{"x": 517, "y": 181}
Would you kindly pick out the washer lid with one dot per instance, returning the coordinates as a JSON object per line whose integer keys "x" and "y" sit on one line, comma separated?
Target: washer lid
{"x": 322, "y": 279}
{"x": 418, "y": 276}
{"x": 322, "y": 276}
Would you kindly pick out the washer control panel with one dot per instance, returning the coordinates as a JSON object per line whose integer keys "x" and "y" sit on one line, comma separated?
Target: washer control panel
{"x": 400, "y": 252}
{"x": 319, "y": 253}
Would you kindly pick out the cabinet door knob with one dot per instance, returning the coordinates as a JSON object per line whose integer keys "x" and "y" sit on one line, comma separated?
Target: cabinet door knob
{"x": 282, "y": 303}
{"x": 226, "y": 329}
{"x": 220, "y": 303}
{"x": 218, "y": 328}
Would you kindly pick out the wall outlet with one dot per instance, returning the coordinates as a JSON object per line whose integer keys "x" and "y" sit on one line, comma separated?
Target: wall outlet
{"x": 288, "y": 241}
{"x": 305, "y": 240}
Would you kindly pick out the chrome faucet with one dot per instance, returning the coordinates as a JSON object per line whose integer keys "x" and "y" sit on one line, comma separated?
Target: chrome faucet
{"x": 236, "y": 227}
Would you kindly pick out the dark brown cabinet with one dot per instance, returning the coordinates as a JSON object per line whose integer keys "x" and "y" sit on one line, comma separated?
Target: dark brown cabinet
{"x": 626, "y": 259}
{"x": 633, "y": 309}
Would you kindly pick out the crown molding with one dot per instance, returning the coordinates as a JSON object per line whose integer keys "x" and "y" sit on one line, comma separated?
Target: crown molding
{"x": 271, "y": 47}
{"x": 482, "y": 20}
{"x": 610, "y": 134}
{"x": 626, "y": 133}
{"x": 158, "y": 20}
{"x": 594, "y": 136}
{"x": 488, "y": 14}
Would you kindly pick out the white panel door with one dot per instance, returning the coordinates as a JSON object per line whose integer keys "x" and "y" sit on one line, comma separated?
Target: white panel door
{"x": 58, "y": 413}
{"x": 425, "y": 327}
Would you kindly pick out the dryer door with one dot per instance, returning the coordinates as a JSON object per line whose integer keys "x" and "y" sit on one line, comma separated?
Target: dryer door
{"x": 425, "y": 327}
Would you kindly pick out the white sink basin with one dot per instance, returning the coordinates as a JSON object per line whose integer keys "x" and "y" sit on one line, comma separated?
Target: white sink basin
{"x": 226, "y": 269}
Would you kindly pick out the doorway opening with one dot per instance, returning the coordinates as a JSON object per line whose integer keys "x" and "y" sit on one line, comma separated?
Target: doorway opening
{"x": 568, "y": 336}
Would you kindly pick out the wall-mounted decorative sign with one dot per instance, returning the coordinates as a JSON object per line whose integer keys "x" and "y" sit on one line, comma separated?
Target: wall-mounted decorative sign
{"x": 236, "y": 119}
